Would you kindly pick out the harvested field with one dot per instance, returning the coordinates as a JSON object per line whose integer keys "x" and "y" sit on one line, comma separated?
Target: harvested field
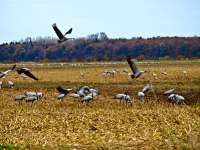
{"x": 103, "y": 123}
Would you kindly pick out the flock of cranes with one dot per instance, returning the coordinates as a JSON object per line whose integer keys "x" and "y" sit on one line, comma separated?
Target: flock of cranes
{"x": 86, "y": 93}
{"x": 32, "y": 96}
{"x": 83, "y": 93}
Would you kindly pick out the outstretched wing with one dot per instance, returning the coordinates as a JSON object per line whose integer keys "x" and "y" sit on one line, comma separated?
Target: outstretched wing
{"x": 12, "y": 67}
{"x": 58, "y": 32}
{"x": 68, "y": 32}
{"x": 28, "y": 73}
{"x": 169, "y": 91}
{"x": 61, "y": 90}
{"x": 132, "y": 64}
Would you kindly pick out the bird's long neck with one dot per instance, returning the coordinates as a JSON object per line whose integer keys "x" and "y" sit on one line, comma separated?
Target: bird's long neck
{"x": 92, "y": 94}
{"x": 148, "y": 82}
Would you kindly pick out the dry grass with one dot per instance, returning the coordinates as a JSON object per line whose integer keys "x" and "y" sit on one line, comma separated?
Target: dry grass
{"x": 103, "y": 124}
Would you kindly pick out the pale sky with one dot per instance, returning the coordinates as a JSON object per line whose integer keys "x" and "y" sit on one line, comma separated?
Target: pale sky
{"x": 118, "y": 19}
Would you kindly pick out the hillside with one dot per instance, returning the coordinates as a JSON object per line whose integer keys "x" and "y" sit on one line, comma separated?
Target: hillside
{"x": 100, "y": 47}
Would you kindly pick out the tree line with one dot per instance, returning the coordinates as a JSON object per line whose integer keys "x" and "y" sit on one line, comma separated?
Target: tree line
{"x": 98, "y": 47}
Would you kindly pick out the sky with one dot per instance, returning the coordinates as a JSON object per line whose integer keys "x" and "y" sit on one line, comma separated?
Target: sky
{"x": 118, "y": 19}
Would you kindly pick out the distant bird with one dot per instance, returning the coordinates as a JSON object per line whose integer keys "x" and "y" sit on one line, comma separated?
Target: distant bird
{"x": 106, "y": 71}
{"x": 165, "y": 74}
{"x": 93, "y": 90}
{"x": 62, "y": 96}
{"x": 94, "y": 93}
{"x": 11, "y": 84}
{"x": 141, "y": 95}
{"x": 75, "y": 96}
{"x": 104, "y": 74}
{"x": 63, "y": 93}
{"x": 39, "y": 95}
{"x": 24, "y": 77}
{"x": 125, "y": 70}
{"x": 180, "y": 99}
{"x": 171, "y": 97}
{"x": 31, "y": 99}
{"x": 147, "y": 87}
{"x": 20, "y": 98}
{"x": 185, "y": 73}
{"x": 80, "y": 93}
{"x": 69, "y": 89}
{"x": 112, "y": 73}
{"x": 31, "y": 94}
{"x": 134, "y": 68}
{"x": 82, "y": 90}
{"x": 61, "y": 37}
{"x": 123, "y": 97}
{"x": 154, "y": 75}
{"x": 63, "y": 90}
{"x": 27, "y": 72}
{"x": 1, "y": 84}
{"x": 87, "y": 98}
{"x": 170, "y": 91}
{"x": 82, "y": 74}
{"x": 3, "y": 74}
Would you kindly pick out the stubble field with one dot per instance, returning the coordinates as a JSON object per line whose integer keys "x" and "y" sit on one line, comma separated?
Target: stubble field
{"x": 103, "y": 123}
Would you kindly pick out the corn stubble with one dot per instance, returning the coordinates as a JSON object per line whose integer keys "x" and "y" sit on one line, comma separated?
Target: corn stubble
{"x": 103, "y": 123}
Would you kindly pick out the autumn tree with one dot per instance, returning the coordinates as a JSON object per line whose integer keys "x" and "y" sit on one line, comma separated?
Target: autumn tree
{"x": 166, "y": 58}
{"x": 179, "y": 57}
{"x": 141, "y": 57}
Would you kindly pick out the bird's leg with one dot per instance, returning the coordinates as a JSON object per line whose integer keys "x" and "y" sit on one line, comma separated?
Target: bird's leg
{"x": 183, "y": 103}
{"x": 126, "y": 102}
{"x": 143, "y": 100}
{"x": 177, "y": 102}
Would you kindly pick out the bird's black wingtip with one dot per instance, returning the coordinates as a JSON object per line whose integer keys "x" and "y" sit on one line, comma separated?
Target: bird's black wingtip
{"x": 13, "y": 67}
{"x": 54, "y": 25}
{"x": 69, "y": 32}
{"x": 128, "y": 57}
{"x": 58, "y": 87}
